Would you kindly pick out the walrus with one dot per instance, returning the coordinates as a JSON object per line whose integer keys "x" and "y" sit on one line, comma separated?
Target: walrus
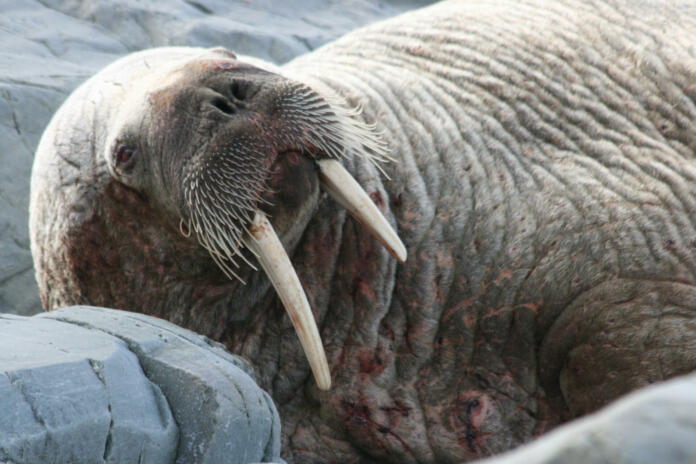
{"x": 520, "y": 248}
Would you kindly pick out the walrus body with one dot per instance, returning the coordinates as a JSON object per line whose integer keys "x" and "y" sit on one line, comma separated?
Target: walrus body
{"x": 544, "y": 185}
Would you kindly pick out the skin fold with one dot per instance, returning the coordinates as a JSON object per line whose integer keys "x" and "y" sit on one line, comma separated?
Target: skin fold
{"x": 543, "y": 182}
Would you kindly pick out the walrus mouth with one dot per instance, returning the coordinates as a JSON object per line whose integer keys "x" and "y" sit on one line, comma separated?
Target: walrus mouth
{"x": 233, "y": 221}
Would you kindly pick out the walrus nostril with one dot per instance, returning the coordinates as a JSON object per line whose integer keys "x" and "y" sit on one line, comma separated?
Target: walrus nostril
{"x": 238, "y": 91}
{"x": 223, "y": 105}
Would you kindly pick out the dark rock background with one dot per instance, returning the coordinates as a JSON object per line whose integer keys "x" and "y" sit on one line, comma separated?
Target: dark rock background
{"x": 49, "y": 47}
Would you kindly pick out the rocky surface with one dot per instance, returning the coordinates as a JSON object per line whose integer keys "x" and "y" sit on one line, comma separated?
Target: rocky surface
{"x": 92, "y": 385}
{"x": 48, "y": 47}
{"x": 655, "y": 424}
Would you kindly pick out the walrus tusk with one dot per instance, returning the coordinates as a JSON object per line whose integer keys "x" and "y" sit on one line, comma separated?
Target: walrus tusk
{"x": 264, "y": 242}
{"x": 338, "y": 183}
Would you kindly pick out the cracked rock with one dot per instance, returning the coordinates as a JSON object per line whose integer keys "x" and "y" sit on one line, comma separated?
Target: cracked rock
{"x": 94, "y": 385}
{"x": 68, "y": 394}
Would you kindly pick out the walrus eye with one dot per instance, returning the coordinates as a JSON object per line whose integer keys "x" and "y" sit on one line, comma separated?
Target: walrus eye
{"x": 125, "y": 156}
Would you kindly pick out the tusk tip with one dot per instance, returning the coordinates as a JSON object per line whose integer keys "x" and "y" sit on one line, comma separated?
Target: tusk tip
{"x": 343, "y": 188}
{"x": 320, "y": 370}
{"x": 398, "y": 251}
{"x": 324, "y": 384}
{"x": 401, "y": 258}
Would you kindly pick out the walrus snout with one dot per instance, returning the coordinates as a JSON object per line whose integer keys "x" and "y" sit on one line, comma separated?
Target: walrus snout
{"x": 273, "y": 144}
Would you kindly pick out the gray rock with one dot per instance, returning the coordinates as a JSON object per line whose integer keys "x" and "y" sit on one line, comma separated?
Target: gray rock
{"x": 87, "y": 384}
{"x": 43, "y": 56}
{"x": 653, "y": 425}
{"x": 276, "y": 31}
{"x": 68, "y": 394}
{"x": 222, "y": 414}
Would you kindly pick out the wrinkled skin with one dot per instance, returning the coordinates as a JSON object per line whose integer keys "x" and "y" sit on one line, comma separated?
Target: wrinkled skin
{"x": 545, "y": 188}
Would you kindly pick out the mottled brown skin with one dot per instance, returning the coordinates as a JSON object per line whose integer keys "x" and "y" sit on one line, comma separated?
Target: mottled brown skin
{"x": 544, "y": 185}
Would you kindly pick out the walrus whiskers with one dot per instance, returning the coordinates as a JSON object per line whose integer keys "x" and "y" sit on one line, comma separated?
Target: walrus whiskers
{"x": 334, "y": 127}
{"x": 186, "y": 234}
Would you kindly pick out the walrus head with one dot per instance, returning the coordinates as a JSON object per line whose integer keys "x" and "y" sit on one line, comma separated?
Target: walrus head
{"x": 233, "y": 154}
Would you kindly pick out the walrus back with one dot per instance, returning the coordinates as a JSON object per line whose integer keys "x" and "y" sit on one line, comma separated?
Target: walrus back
{"x": 522, "y": 126}
{"x": 544, "y": 152}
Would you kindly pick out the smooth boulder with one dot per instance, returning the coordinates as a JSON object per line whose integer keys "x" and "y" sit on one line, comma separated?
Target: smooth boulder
{"x": 86, "y": 384}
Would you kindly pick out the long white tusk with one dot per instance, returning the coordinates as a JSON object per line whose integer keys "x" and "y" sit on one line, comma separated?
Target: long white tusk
{"x": 272, "y": 256}
{"x": 338, "y": 183}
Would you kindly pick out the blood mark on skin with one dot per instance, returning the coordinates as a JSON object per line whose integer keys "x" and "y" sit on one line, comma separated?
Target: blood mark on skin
{"x": 359, "y": 413}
